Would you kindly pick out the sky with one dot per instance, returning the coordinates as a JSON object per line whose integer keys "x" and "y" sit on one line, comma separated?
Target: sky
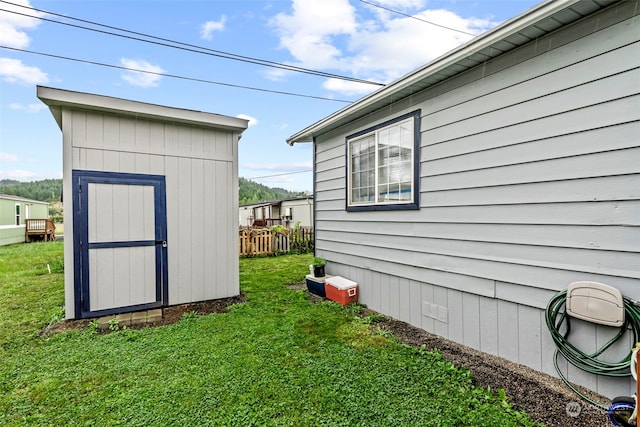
{"x": 352, "y": 46}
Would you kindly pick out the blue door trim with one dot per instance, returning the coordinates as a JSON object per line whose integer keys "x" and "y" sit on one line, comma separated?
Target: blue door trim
{"x": 81, "y": 245}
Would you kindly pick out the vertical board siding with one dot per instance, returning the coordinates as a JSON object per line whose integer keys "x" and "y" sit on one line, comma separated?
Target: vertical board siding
{"x": 471, "y": 320}
{"x": 488, "y": 324}
{"x": 198, "y": 166}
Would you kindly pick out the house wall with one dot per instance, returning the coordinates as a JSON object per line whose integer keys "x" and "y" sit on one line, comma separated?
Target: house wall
{"x": 10, "y": 232}
{"x": 199, "y": 164}
{"x": 301, "y": 211}
{"x": 529, "y": 180}
{"x": 245, "y": 215}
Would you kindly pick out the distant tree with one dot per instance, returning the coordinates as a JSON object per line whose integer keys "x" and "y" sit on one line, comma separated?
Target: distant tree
{"x": 50, "y": 190}
{"x": 253, "y": 192}
{"x": 46, "y": 190}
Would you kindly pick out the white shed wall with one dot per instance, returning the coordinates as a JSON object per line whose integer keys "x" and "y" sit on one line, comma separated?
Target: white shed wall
{"x": 201, "y": 185}
{"x": 529, "y": 180}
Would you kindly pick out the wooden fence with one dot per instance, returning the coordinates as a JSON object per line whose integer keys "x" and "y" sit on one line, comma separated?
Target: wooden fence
{"x": 265, "y": 241}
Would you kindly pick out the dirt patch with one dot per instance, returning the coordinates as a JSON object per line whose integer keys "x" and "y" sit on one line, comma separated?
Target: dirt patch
{"x": 542, "y": 397}
{"x": 170, "y": 315}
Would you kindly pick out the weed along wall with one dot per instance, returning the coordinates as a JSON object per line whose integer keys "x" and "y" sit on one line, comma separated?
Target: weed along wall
{"x": 153, "y": 215}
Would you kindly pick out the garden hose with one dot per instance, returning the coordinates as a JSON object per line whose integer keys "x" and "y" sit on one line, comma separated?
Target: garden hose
{"x": 556, "y": 317}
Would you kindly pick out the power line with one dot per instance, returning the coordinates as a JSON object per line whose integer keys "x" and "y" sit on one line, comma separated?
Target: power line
{"x": 281, "y": 174}
{"x": 419, "y": 19}
{"x": 50, "y": 55}
{"x": 180, "y": 45}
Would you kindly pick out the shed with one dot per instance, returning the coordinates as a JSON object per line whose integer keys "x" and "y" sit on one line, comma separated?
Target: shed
{"x": 152, "y": 220}
{"x": 506, "y": 170}
{"x": 14, "y": 213}
{"x": 285, "y": 212}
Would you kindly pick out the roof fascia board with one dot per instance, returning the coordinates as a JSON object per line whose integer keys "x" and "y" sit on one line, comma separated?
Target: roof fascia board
{"x": 477, "y": 44}
{"x": 21, "y": 199}
{"x": 59, "y": 99}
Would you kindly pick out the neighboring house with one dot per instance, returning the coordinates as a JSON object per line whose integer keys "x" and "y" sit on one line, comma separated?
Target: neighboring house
{"x": 287, "y": 212}
{"x": 14, "y": 211}
{"x": 506, "y": 170}
{"x": 152, "y": 220}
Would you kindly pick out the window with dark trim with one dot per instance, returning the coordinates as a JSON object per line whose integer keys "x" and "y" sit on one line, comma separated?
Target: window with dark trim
{"x": 18, "y": 214}
{"x": 383, "y": 165}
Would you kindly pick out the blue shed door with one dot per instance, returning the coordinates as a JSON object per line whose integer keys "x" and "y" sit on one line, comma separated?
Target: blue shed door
{"x": 120, "y": 242}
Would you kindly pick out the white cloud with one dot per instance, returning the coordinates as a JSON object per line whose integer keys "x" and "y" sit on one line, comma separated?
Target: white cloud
{"x": 207, "y": 29}
{"x": 8, "y": 158}
{"x": 21, "y": 175}
{"x": 348, "y": 88}
{"x": 14, "y": 71}
{"x": 401, "y": 4}
{"x": 252, "y": 120}
{"x": 138, "y": 78}
{"x": 307, "y": 33}
{"x": 382, "y": 46}
{"x": 30, "y": 108}
{"x": 12, "y": 24}
{"x": 277, "y": 74}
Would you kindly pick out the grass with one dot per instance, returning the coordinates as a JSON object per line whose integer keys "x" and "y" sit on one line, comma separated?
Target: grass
{"x": 276, "y": 360}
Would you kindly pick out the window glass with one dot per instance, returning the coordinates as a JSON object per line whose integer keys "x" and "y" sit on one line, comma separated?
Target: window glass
{"x": 382, "y": 163}
{"x": 362, "y": 169}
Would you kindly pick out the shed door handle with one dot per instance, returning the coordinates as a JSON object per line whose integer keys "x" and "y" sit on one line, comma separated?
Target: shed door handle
{"x": 162, "y": 242}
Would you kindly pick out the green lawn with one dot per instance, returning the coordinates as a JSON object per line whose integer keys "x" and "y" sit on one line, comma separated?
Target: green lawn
{"x": 277, "y": 359}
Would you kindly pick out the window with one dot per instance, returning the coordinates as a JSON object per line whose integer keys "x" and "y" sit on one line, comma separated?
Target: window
{"x": 17, "y": 214}
{"x": 382, "y": 170}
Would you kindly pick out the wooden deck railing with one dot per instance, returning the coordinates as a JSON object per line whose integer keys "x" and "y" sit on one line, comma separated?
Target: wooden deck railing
{"x": 39, "y": 229}
{"x": 264, "y": 241}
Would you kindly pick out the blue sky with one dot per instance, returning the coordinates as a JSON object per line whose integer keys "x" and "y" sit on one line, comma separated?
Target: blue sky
{"x": 350, "y": 38}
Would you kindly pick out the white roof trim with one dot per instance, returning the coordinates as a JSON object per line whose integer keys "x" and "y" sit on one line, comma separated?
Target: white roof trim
{"x": 21, "y": 199}
{"x": 483, "y": 41}
{"x": 58, "y": 99}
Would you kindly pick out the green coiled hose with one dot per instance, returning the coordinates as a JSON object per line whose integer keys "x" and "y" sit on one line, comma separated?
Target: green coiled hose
{"x": 556, "y": 317}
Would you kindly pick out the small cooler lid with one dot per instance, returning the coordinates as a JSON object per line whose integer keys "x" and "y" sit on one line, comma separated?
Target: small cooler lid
{"x": 316, "y": 279}
{"x": 340, "y": 282}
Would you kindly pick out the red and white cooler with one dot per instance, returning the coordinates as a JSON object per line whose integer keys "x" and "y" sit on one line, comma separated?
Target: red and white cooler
{"x": 341, "y": 290}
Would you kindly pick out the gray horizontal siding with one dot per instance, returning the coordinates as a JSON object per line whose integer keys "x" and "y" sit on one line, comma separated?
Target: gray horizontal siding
{"x": 529, "y": 180}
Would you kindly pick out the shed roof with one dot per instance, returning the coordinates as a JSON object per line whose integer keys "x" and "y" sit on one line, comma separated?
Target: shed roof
{"x": 57, "y": 99}
{"x": 538, "y": 21}
{"x": 21, "y": 199}
{"x": 276, "y": 202}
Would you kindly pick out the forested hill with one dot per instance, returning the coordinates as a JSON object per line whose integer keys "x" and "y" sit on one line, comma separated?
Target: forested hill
{"x": 251, "y": 192}
{"x": 50, "y": 190}
{"x": 47, "y": 190}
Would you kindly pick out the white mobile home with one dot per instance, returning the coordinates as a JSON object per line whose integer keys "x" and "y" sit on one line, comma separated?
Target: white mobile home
{"x": 152, "y": 219}
{"x": 506, "y": 170}
{"x": 287, "y": 212}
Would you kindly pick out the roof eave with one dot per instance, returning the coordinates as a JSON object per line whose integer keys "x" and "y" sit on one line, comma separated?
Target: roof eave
{"x": 483, "y": 41}
{"x": 59, "y": 99}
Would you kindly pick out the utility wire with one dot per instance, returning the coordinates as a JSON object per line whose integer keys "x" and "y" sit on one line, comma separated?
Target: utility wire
{"x": 419, "y": 19}
{"x": 281, "y": 174}
{"x": 180, "y": 45}
{"x": 50, "y": 55}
